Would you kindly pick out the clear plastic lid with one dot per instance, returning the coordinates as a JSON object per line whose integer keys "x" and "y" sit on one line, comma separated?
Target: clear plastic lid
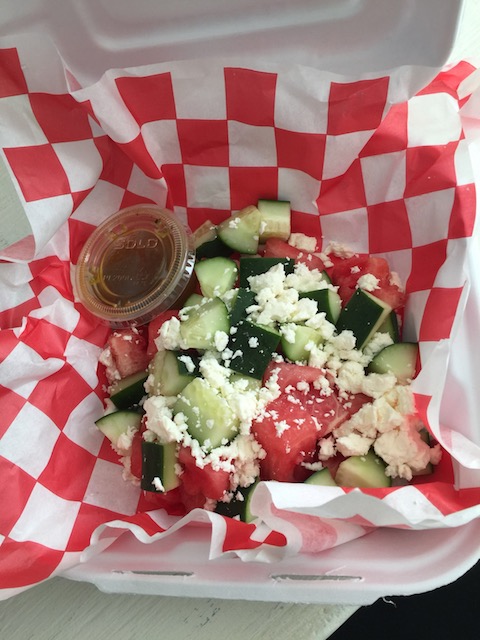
{"x": 136, "y": 264}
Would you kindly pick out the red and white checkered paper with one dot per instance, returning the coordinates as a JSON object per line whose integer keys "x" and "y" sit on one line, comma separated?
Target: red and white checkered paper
{"x": 360, "y": 166}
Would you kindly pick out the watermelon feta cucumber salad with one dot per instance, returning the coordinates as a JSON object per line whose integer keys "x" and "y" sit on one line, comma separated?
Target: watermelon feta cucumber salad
{"x": 286, "y": 365}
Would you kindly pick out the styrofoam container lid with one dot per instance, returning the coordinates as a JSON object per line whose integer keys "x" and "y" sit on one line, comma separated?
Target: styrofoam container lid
{"x": 341, "y": 36}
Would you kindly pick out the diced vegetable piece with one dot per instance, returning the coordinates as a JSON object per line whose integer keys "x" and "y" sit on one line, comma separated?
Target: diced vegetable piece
{"x": 154, "y": 329}
{"x": 239, "y": 506}
{"x": 275, "y": 247}
{"x": 119, "y": 423}
{"x": 245, "y": 298}
{"x": 209, "y": 418}
{"x": 200, "y": 483}
{"x": 255, "y": 266}
{"x": 216, "y": 275}
{"x": 129, "y": 391}
{"x": 399, "y": 358}
{"x": 193, "y": 300}
{"x": 390, "y": 326}
{"x": 328, "y": 302}
{"x": 362, "y": 315}
{"x": 303, "y": 336}
{"x": 362, "y": 471}
{"x": 128, "y": 349}
{"x": 158, "y": 466}
{"x": 252, "y": 346}
{"x": 322, "y": 478}
{"x": 288, "y": 434}
{"x": 275, "y": 219}
{"x": 240, "y": 232}
{"x": 171, "y": 372}
{"x": 198, "y": 330}
{"x": 207, "y": 243}
{"x": 250, "y": 384}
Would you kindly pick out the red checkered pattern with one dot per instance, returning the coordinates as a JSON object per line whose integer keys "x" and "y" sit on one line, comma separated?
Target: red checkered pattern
{"x": 394, "y": 182}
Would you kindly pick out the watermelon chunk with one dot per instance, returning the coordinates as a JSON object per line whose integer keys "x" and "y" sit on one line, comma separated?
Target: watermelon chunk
{"x": 128, "y": 348}
{"x": 346, "y": 273}
{"x": 276, "y": 248}
{"x": 201, "y": 483}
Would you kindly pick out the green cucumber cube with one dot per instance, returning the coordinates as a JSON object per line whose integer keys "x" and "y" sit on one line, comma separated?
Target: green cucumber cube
{"x": 252, "y": 348}
{"x": 158, "y": 466}
{"x": 210, "y": 420}
{"x": 362, "y": 471}
{"x": 240, "y": 231}
{"x": 250, "y": 266}
{"x": 363, "y": 315}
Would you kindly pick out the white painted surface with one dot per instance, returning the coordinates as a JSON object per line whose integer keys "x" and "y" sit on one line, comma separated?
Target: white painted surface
{"x": 69, "y": 610}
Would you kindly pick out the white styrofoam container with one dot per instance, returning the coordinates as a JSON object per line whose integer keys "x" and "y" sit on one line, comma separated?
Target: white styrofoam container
{"x": 344, "y": 36}
{"x": 386, "y": 562}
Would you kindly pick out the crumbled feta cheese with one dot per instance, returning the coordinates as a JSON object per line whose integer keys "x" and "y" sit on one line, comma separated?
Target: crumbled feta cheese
{"x": 353, "y": 444}
{"x": 326, "y": 448}
{"x": 160, "y": 420}
{"x": 220, "y": 340}
{"x": 376, "y": 343}
{"x": 339, "y": 250}
{"x": 301, "y": 241}
{"x": 368, "y": 282}
{"x": 157, "y": 483}
{"x": 169, "y": 336}
{"x": 188, "y": 362}
{"x": 305, "y": 279}
{"x": 106, "y": 358}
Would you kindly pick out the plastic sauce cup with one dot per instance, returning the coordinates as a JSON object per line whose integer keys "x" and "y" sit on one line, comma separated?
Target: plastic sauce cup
{"x": 135, "y": 265}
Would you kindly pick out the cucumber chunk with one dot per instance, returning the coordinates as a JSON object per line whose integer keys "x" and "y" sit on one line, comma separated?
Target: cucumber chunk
{"x": 239, "y": 505}
{"x": 322, "y": 478}
{"x": 216, "y": 275}
{"x": 250, "y": 384}
{"x": 255, "y": 266}
{"x": 296, "y": 351}
{"x": 118, "y": 423}
{"x": 210, "y": 420}
{"x": 198, "y": 330}
{"x": 390, "y": 326}
{"x": 399, "y": 358}
{"x": 253, "y": 347}
{"x": 193, "y": 300}
{"x": 207, "y": 243}
{"x": 129, "y": 391}
{"x": 158, "y": 467}
{"x": 245, "y": 298}
{"x": 240, "y": 232}
{"x": 362, "y": 315}
{"x": 328, "y": 302}
{"x": 275, "y": 219}
{"x": 171, "y": 372}
{"x": 362, "y": 471}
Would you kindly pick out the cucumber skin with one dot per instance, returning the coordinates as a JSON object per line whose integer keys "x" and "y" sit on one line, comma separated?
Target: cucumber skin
{"x": 129, "y": 395}
{"x": 115, "y": 424}
{"x": 155, "y": 460}
{"x": 252, "y": 360}
{"x": 362, "y": 315}
{"x": 250, "y": 266}
{"x": 238, "y": 508}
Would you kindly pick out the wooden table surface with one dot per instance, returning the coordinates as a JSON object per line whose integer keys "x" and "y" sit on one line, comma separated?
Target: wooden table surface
{"x": 63, "y": 609}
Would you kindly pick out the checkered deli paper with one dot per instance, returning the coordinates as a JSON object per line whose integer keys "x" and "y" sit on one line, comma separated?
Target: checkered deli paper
{"x": 362, "y": 161}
